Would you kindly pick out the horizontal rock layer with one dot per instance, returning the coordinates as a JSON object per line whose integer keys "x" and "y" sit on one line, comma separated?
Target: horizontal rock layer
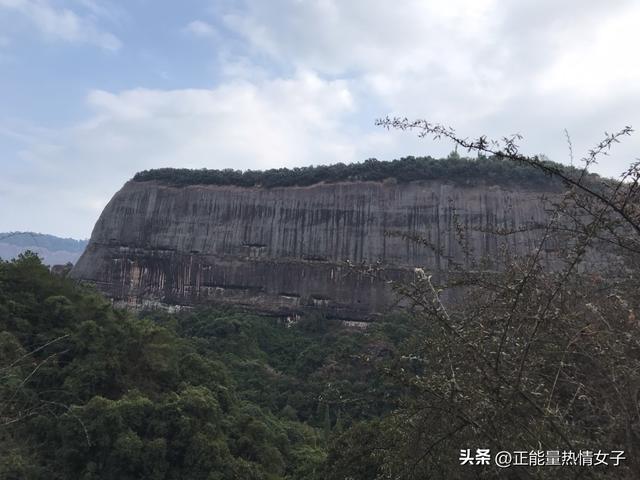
{"x": 287, "y": 250}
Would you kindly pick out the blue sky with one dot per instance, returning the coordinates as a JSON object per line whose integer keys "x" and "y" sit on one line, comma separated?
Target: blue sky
{"x": 93, "y": 91}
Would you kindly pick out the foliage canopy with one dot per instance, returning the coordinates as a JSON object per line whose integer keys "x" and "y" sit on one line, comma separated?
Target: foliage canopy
{"x": 453, "y": 169}
{"x": 87, "y": 391}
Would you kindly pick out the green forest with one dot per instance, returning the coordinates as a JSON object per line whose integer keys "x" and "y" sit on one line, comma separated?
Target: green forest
{"x": 90, "y": 392}
{"x": 454, "y": 168}
{"x": 540, "y": 356}
{"x": 319, "y": 240}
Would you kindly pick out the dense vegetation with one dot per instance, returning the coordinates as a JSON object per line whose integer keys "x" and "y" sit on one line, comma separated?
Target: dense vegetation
{"x": 451, "y": 169}
{"x": 90, "y": 392}
{"x": 542, "y": 356}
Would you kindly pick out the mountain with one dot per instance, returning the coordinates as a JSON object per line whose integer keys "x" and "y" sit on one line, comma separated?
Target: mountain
{"x": 53, "y": 250}
{"x": 283, "y": 241}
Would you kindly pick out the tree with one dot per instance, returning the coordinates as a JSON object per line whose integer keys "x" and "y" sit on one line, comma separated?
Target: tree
{"x": 88, "y": 391}
{"x": 542, "y": 355}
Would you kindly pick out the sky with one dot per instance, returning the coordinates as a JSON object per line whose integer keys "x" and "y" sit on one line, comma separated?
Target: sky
{"x": 93, "y": 91}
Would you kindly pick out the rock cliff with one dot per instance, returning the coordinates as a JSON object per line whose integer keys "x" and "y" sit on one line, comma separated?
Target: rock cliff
{"x": 286, "y": 250}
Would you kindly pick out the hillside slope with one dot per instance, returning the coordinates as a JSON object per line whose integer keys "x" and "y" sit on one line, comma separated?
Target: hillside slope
{"x": 53, "y": 250}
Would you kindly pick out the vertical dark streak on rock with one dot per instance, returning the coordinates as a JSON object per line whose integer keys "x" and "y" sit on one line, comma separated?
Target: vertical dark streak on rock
{"x": 232, "y": 245}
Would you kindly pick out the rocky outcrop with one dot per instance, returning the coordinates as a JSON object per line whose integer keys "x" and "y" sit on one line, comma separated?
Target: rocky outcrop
{"x": 286, "y": 250}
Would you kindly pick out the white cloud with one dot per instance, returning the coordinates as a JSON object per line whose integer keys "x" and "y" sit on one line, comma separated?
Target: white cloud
{"x": 604, "y": 59}
{"x": 201, "y": 29}
{"x": 236, "y": 125}
{"x": 279, "y": 122}
{"x": 63, "y": 24}
{"x": 484, "y": 67}
{"x": 363, "y": 35}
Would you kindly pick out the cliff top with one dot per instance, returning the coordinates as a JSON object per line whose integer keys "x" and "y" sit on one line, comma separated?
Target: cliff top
{"x": 453, "y": 169}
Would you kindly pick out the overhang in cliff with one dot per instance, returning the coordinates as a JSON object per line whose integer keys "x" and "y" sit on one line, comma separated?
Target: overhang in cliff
{"x": 285, "y": 250}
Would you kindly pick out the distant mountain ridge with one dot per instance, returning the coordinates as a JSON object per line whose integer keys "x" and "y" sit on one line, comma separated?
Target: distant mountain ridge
{"x": 53, "y": 250}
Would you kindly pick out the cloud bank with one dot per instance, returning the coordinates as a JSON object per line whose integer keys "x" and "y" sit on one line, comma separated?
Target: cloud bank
{"x": 301, "y": 83}
{"x": 62, "y": 24}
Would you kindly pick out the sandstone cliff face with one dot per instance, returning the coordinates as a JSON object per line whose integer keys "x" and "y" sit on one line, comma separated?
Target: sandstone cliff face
{"x": 284, "y": 250}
